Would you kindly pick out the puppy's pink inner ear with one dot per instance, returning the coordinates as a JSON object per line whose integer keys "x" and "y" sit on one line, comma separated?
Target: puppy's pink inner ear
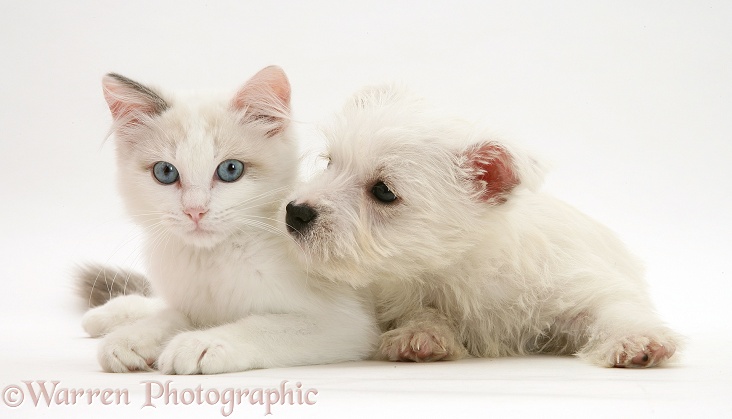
{"x": 493, "y": 171}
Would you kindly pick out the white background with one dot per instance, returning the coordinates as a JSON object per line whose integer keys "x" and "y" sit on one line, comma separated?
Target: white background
{"x": 630, "y": 102}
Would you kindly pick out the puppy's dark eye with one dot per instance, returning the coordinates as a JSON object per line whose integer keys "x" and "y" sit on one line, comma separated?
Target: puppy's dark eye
{"x": 382, "y": 192}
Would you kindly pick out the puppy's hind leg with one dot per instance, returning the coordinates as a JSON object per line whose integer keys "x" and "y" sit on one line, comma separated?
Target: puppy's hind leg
{"x": 628, "y": 335}
{"x": 424, "y": 336}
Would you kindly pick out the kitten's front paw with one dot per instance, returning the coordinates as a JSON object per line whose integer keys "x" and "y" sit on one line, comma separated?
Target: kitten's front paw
{"x": 418, "y": 345}
{"x": 127, "y": 350}
{"x": 119, "y": 311}
{"x": 200, "y": 352}
{"x": 98, "y": 322}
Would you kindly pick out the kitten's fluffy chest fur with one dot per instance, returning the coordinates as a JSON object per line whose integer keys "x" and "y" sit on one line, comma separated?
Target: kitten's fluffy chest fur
{"x": 227, "y": 282}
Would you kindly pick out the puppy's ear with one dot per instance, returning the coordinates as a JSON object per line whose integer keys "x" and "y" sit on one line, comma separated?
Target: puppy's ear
{"x": 265, "y": 99}
{"x": 130, "y": 101}
{"x": 491, "y": 169}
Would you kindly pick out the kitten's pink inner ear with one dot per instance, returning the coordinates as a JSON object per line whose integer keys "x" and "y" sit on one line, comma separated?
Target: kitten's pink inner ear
{"x": 128, "y": 99}
{"x": 493, "y": 171}
{"x": 269, "y": 89}
{"x": 121, "y": 109}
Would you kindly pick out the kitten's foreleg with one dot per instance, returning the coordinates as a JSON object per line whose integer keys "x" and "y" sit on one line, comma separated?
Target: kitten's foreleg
{"x": 270, "y": 340}
{"x": 119, "y": 311}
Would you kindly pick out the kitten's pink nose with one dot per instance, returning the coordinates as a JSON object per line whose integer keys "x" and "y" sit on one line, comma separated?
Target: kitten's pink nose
{"x": 196, "y": 213}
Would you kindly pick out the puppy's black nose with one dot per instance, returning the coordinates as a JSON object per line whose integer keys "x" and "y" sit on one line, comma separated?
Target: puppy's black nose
{"x": 299, "y": 216}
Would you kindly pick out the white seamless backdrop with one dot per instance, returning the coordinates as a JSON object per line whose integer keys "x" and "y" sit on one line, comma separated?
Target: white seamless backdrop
{"x": 630, "y": 103}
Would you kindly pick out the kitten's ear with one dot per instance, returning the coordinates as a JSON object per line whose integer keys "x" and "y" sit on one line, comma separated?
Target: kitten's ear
{"x": 129, "y": 101}
{"x": 491, "y": 169}
{"x": 265, "y": 98}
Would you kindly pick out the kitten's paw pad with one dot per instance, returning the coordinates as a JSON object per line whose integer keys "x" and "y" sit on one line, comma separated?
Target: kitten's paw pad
{"x": 642, "y": 353}
{"x": 417, "y": 346}
{"x": 124, "y": 352}
{"x": 196, "y": 353}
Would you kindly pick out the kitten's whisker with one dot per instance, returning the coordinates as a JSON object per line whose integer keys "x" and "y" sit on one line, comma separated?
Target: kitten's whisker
{"x": 238, "y": 208}
{"x": 269, "y": 228}
{"x": 154, "y": 233}
{"x": 98, "y": 226}
{"x": 233, "y": 230}
{"x": 274, "y": 220}
{"x": 260, "y": 196}
{"x": 151, "y": 214}
{"x": 124, "y": 243}
{"x": 94, "y": 284}
{"x": 167, "y": 235}
{"x": 262, "y": 225}
{"x": 270, "y": 192}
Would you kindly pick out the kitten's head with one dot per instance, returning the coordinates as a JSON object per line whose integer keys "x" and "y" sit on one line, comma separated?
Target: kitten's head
{"x": 199, "y": 168}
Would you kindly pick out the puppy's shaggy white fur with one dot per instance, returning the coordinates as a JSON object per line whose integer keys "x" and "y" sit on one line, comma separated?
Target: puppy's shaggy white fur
{"x": 462, "y": 252}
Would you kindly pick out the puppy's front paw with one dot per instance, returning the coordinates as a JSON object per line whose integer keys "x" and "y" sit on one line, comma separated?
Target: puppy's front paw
{"x": 641, "y": 352}
{"x": 199, "y": 352}
{"x": 408, "y": 344}
{"x": 127, "y": 350}
{"x": 631, "y": 352}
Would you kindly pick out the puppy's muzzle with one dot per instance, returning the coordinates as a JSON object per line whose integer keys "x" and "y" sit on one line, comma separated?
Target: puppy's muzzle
{"x": 299, "y": 217}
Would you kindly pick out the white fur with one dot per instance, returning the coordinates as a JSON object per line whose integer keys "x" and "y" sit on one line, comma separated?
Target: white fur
{"x": 129, "y": 309}
{"x": 234, "y": 299}
{"x": 454, "y": 273}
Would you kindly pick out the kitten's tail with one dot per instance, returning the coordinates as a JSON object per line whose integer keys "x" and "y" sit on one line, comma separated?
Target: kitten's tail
{"x": 97, "y": 284}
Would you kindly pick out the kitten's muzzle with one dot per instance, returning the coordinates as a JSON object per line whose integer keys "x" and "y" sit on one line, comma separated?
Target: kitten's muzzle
{"x": 299, "y": 217}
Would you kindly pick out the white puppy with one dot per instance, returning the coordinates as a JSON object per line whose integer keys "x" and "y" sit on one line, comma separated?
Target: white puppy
{"x": 464, "y": 256}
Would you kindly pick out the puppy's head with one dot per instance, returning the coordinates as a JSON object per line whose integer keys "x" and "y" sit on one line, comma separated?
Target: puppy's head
{"x": 406, "y": 191}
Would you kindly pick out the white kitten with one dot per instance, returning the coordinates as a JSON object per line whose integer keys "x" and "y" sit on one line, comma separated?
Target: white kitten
{"x": 464, "y": 255}
{"x": 204, "y": 179}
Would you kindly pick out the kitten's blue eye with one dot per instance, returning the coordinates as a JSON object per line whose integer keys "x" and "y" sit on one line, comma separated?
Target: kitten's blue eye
{"x": 165, "y": 172}
{"x": 230, "y": 170}
{"x": 382, "y": 193}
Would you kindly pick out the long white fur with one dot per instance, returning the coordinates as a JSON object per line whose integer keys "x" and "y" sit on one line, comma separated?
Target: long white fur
{"x": 454, "y": 275}
{"x": 232, "y": 297}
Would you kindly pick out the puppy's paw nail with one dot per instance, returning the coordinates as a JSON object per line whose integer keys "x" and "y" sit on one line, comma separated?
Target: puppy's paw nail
{"x": 413, "y": 345}
{"x": 641, "y": 352}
